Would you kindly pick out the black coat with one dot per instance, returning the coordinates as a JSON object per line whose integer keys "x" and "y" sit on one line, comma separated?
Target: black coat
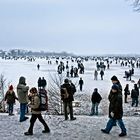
{"x": 69, "y": 91}
{"x": 96, "y": 97}
{"x": 10, "y": 97}
{"x": 115, "y": 105}
{"x": 120, "y": 86}
{"x": 126, "y": 91}
{"x": 81, "y": 82}
{"x": 134, "y": 93}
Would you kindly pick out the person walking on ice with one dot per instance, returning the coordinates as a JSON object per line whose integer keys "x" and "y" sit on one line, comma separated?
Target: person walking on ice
{"x": 36, "y": 113}
{"x": 115, "y": 111}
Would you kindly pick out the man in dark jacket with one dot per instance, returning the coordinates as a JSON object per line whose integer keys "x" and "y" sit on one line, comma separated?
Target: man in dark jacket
{"x": 44, "y": 83}
{"x": 81, "y": 82}
{"x": 115, "y": 111}
{"x": 135, "y": 95}
{"x": 96, "y": 98}
{"x": 67, "y": 98}
{"x": 39, "y": 83}
{"x": 102, "y": 74}
{"x": 115, "y": 80}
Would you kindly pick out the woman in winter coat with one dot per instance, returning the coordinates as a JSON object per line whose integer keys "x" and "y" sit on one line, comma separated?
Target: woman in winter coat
{"x": 96, "y": 98}
{"x": 115, "y": 111}
{"x": 36, "y": 113}
{"x": 10, "y": 99}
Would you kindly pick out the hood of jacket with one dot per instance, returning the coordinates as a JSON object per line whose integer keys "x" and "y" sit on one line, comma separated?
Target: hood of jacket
{"x": 22, "y": 80}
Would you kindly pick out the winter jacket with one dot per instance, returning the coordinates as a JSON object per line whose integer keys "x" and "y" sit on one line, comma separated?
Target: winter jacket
{"x": 102, "y": 72}
{"x": 39, "y": 82}
{"x": 10, "y": 97}
{"x": 43, "y": 83}
{"x": 81, "y": 82}
{"x": 120, "y": 89}
{"x": 134, "y": 93}
{"x": 96, "y": 97}
{"x": 115, "y": 105}
{"x": 69, "y": 91}
{"x": 126, "y": 91}
{"x": 22, "y": 91}
{"x": 120, "y": 86}
{"x": 34, "y": 104}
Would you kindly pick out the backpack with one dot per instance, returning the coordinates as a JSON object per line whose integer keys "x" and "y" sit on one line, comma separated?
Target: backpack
{"x": 42, "y": 94}
{"x": 64, "y": 93}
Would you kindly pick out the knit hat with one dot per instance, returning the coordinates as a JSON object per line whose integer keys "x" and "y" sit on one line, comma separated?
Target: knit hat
{"x": 115, "y": 87}
{"x": 10, "y": 87}
{"x": 66, "y": 80}
{"x": 114, "y": 78}
{"x": 95, "y": 90}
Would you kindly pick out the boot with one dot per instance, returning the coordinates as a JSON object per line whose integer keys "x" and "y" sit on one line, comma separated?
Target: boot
{"x": 73, "y": 119}
{"x": 104, "y": 131}
{"x": 46, "y": 131}
{"x": 28, "y": 133}
{"x": 122, "y": 134}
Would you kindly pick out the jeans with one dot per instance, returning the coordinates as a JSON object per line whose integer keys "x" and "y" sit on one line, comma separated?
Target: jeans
{"x": 66, "y": 106}
{"x": 23, "y": 108}
{"x": 135, "y": 101}
{"x": 111, "y": 122}
{"x": 94, "y": 109}
{"x": 10, "y": 108}
{"x": 33, "y": 119}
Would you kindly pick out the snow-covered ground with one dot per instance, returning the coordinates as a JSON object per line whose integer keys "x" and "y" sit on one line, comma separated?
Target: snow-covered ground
{"x": 85, "y": 127}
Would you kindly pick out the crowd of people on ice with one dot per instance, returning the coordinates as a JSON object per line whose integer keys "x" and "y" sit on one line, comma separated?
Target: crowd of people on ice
{"x": 28, "y": 97}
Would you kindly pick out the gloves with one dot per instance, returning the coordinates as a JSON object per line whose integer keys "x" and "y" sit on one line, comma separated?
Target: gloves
{"x": 112, "y": 114}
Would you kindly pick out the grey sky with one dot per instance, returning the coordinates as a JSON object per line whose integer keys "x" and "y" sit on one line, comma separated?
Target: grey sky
{"x": 77, "y": 26}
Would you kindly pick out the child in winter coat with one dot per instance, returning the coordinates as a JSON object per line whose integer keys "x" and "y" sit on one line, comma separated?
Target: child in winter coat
{"x": 96, "y": 98}
{"x": 36, "y": 114}
{"x": 10, "y": 99}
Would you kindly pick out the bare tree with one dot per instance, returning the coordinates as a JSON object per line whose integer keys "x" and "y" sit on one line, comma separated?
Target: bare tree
{"x": 2, "y": 86}
{"x": 136, "y": 5}
{"x": 55, "y": 102}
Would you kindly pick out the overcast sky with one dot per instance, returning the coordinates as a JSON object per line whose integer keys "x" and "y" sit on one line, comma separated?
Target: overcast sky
{"x": 77, "y": 26}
